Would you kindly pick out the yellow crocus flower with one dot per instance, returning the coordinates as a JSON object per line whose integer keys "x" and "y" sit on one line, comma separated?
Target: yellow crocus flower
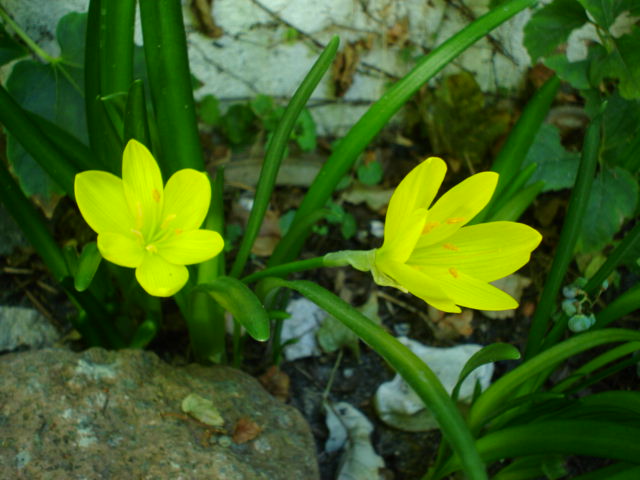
{"x": 144, "y": 225}
{"x": 428, "y": 250}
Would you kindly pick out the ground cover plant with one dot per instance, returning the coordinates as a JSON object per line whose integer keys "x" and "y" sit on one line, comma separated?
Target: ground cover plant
{"x": 115, "y": 130}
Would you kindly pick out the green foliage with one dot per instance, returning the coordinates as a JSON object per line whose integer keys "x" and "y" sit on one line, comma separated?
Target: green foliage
{"x": 614, "y": 59}
{"x": 551, "y": 25}
{"x": 370, "y": 173}
{"x": 339, "y": 216}
{"x": 242, "y": 121}
{"x": 618, "y": 60}
{"x": 53, "y": 91}
{"x": 555, "y": 166}
{"x": 621, "y": 131}
{"x": 613, "y": 200}
{"x": 458, "y": 120}
{"x": 9, "y": 48}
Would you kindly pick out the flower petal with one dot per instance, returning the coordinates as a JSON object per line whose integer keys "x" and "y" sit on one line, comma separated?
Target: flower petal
{"x": 123, "y": 250}
{"x": 457, "y": 206}
{"x": 421, "y": 285}
{"x": 190, "y": 247}
{"x": 416, "y": 190}
{"x": 142, "y": 182}
{"x": 470, "y": 292}
{"x": 101, "y": 201}
{"x": 187, "y": 196}
{"x": 487, "y": 251}
{"x": 159, "y": 277}
{"x": 398, "y": 248}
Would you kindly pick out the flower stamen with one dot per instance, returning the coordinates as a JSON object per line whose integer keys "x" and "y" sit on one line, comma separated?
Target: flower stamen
{"x": 453, "y": 220}
{"x": 454, "y": 273}
{"x": 429, "y": 226}
{"x": 450, "y": 246}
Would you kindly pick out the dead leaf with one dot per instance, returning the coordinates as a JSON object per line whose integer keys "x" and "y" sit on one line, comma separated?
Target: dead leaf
{"x": 245, "y": 430}
{"x": 514, "y": 285}
{"x": 345, "y": 65}
{"x": 276, "y": 382}
{"x": 203, "y": 16}
{"x": 398, "y": 34}
{"x": 452, "y": 326}
{"x": 269, "y": 234}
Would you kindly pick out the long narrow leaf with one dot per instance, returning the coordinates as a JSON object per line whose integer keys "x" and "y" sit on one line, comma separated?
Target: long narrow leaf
{"x": 491, "y": 400}
{"x": 361, "y": 134}
{"x": 275, "y": 152}
{"x": 568, "y": 237}
{"x": 575, "y": 437}
{"x": 414, "y": 371}
{"x": 165, "y": 49}
{"x": 21, "y": 126}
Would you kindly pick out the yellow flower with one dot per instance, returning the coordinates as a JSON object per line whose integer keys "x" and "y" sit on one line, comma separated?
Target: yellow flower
{"x": 429, "y": 252}
{"x": 143, "y": 225}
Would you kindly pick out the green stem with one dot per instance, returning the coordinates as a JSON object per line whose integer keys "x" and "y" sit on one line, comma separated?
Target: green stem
{"x": 414, "y": 371}
{"x": 275, "y": 153}
{"x": 116, "y": 45}
{"x": 378, "y": 115}
{"x": 568, "y": 237}
{"x": 285, "y": 269}
{"x": 108, "y": 153}
{"x": 206, "y": 318}
{"x": 33, "y": 46}
{"x": 165, "y": 50}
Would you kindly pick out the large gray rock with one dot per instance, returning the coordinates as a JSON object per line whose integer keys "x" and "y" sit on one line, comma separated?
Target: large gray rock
{"x": 116, "y": 415}
{"x": 22, "y": 328}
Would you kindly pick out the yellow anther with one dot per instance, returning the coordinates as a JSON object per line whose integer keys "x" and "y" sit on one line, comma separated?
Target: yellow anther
{"x": 455, "y": 220}
{"x": 454, "y": 273}
{"x": 177, "y": 231}
{"x": 156, "y": 195}
{"x": 151, "y": 248}
{"x": 429, "y": 226}
{"x": 450, "y": 246}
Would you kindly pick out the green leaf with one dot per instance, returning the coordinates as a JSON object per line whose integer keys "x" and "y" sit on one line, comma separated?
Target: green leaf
{"x": 238, "y": 124}
{"x": 235, "y": 297}
{"x": 574, "y": 73}
{"x": 304, "y": 132}
{"x": 489, "y": 354}
{"x": 551, "y": 25}
{"x": 621, "y": 127}
{"x": 613, "y": 199}
{"x": 621, "y": 62}
{"x": 333, "y": 335}
{"x": 370, "y": 173}
{"x": 605, "y": 12}
{"x": 54, "y": 92}
{"x": 9, "y": 48}
{"x": 557, "y": 168}
{"x": 88, "y": 264}
{"x": 209, "y": 110}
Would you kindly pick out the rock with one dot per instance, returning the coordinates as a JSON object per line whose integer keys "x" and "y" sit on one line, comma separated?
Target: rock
{"x": 22, "y": 328}
{"x": 400, "y": 407}
{"x": 116, "y": 415}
